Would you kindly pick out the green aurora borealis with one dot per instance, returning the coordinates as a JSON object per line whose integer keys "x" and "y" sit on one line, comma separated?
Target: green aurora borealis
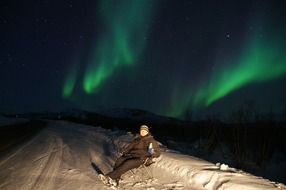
{"x": 120, "y": 42}
{"x": 263, "y": 59}
{"x": 70, "y": 81}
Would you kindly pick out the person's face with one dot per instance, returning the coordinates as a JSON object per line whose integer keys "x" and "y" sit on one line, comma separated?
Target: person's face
{"x": 143, "y": 132}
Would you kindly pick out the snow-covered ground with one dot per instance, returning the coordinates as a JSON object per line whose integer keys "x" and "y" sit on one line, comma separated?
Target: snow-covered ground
{"x": 66, "y": 155}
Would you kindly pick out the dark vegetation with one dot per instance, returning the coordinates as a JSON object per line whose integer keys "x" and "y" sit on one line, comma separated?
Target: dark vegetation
{"x": 16, "y": 134}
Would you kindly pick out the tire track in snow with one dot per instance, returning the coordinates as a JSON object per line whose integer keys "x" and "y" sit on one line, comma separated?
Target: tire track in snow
{"x": 46, "y": 179}
{"x": 38, "y": 167}
{"x": 4, "y": 184}
{"x": 19, "y": 150}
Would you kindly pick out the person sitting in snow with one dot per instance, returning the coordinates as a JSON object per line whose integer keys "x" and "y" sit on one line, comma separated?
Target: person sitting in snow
{"x": 140, "y": 151}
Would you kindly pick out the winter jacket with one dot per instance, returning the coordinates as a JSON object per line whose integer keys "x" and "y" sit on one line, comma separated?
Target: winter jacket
{"x": 139, "y": 147}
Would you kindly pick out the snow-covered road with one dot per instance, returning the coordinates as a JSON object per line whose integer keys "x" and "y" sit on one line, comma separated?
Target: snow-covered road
{"x": 66, "y": 155}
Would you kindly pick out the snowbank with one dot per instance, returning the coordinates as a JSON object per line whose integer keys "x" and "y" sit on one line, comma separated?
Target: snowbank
{"x": 65, "y": 156}
{"x": 201, "y": 174}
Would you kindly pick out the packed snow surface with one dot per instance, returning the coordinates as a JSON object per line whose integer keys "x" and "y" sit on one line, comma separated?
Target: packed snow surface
{"x": 66, "y": 155}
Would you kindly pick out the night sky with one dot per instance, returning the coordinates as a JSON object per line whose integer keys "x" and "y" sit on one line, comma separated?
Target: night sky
{"x": 164, "y": 56}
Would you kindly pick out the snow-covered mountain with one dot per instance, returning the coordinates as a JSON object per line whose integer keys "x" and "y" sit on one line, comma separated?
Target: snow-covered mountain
{"x": 133, "y": 115}
{"x": 63, "y": 156}
{"x": 140, "y": 115}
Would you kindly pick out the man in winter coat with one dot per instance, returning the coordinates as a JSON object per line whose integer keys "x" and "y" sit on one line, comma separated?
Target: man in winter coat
{"x": 135, "y": 154}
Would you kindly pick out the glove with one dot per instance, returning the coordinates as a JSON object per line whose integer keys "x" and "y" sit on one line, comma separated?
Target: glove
{"x": 151, "y": 151}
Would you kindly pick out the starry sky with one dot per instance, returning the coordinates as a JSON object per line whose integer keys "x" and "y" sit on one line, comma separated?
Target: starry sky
{"x": 165, "y": 56}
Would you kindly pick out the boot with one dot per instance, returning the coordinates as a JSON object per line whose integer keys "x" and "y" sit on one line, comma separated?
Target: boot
{"x": 104, "y": 179}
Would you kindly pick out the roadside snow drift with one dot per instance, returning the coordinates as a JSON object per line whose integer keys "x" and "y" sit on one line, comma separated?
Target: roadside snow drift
{"x": 68, "y": 156}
